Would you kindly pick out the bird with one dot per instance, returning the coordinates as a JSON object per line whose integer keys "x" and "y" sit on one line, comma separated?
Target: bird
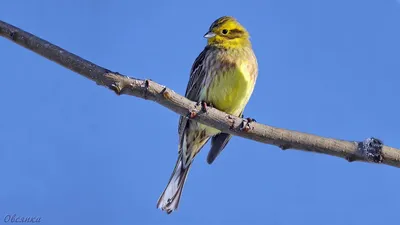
{"x": 223, "y": 76}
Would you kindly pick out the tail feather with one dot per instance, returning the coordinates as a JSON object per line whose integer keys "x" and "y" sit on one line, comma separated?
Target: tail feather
{"x": 169, "y": 199}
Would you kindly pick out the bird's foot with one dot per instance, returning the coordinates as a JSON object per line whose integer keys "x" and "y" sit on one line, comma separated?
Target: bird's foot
{"x": 246, "y": 124}
{"x": 232, "y": 120}
{"x": 204, "y": 105}
{"x": 204, "y": 108}
{"x": 192, "y": 114}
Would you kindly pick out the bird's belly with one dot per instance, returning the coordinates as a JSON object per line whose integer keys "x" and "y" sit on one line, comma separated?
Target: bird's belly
{"x": 230, "y": 91}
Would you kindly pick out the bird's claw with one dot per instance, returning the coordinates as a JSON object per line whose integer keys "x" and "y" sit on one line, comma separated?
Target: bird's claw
{"x": 204, "y": 105}
{"x": 246, "y": 124}
{"x": 192, "y": 114}
{"x": 232, "y": 120}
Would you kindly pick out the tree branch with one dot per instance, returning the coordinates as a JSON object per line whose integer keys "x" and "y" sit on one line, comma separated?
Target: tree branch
{"x": 370, "y": 150}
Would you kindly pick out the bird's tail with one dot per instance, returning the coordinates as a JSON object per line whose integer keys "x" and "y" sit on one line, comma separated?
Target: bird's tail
{"x": 169, "y": 199}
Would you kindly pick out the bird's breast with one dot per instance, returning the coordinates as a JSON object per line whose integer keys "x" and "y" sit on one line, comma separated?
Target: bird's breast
{"x": 231, "y": 86}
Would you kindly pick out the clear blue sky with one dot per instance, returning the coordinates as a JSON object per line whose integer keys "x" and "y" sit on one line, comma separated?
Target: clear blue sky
{"x": 73, "y": 152}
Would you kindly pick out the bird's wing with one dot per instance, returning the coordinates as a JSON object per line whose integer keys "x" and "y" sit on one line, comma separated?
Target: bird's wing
{"x": 218, "y": 143}
{"x": 196, "y": 80}
{"x": 197, "y": 76}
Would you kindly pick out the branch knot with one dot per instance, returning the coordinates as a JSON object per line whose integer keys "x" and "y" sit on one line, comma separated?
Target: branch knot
{"x": 371, "y": 149}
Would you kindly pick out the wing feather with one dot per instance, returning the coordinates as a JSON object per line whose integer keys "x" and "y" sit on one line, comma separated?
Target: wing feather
{"x": 197, "y": 77}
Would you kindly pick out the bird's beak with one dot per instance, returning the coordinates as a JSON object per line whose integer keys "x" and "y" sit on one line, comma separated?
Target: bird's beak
{"x": 209, "y": 34}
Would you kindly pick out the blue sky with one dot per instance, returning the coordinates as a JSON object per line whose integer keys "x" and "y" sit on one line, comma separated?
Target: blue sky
{"x": 73, "y": 152}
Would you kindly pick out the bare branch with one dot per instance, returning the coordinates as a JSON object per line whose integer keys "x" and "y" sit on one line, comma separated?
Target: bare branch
{"x": 370, "y": 150}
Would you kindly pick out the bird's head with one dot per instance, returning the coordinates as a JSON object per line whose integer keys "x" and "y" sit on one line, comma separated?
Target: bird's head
{"x": 227, "y": 32}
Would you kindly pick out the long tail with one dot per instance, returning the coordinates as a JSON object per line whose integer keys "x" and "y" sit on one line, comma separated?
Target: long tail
{"x": 169, "y": 199}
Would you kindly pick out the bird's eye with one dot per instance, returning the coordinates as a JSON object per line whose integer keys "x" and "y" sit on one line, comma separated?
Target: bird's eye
{"x": 224, "y": 31}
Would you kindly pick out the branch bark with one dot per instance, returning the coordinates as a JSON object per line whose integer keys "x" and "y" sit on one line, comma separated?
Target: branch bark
{"x": 369, "y": 150}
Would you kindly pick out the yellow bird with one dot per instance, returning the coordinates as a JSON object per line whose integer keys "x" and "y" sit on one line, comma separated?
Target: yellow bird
{"x": 224, "y": 76}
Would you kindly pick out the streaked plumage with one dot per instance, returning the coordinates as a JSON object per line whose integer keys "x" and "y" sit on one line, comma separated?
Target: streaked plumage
{"x": 224, "y": 75}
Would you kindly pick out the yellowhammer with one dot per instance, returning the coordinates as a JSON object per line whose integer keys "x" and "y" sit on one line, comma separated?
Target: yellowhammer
{"x": 223, "y": 75}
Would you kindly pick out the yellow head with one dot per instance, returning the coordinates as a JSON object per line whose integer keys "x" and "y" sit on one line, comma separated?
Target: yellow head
{"x": 227, "y": 32}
